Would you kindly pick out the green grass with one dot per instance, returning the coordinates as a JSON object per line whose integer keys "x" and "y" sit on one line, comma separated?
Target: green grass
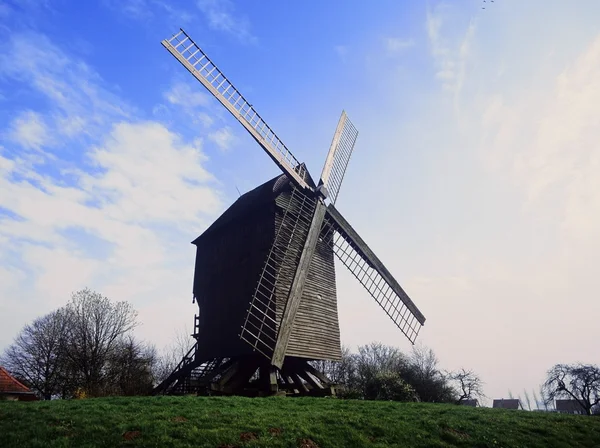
{"x": 282, "y": 422}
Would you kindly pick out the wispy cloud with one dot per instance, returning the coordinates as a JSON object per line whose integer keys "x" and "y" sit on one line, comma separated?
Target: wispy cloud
{"x": 29, "y": 131}
{"x": 449, "y": 50}
{"x": 107, "y": 218}
{"x": 221, "y": 16}
{"x": 181, "y": 94}
{"x": 555, "y": 143}
{"x": 396, "y": 45}
{"x": 342, "y": 51}
{"x": 147, "y": 10}
{"x": 223, "y": 138}
{"x": 80, "y": 102}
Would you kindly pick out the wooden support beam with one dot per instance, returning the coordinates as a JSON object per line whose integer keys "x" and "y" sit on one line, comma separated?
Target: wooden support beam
{"x": 227, "y": 375}
{"x": 268, "y": 378}
{"x": 240, "y": 380}
{"x": 299, "y": 384}
{"x": 293, "y": 302}
{"x": 310, "y": 379}
{"x": 320, "y": 375}
{"x": 273, "y": 385}
{"x": 288, "y": 383}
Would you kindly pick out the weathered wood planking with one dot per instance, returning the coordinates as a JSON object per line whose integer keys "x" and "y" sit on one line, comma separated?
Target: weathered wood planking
{"x": 298, "y": 282}
{"x": 315, "y": 332}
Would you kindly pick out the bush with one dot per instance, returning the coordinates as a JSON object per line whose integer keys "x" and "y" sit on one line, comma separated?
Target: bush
{"x": 389, "y": 385}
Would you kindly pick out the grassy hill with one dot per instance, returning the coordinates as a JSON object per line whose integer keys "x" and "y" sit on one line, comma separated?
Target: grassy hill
{"x": 282, "y": 422}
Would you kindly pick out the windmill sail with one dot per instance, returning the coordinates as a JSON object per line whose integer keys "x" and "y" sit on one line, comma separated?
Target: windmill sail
{"x": 285, "y": 245}
{"x": 338, "y": 156}
{"x": 185, "y": 50}
{"x": 354, "y": 253}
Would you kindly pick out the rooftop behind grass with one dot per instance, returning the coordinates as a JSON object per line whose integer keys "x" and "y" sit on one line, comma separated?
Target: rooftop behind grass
{"x": 282, "y": 422}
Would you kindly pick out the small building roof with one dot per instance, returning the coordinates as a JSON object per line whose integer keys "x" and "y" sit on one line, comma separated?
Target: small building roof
{"x": 10, "y": 385}
{"x": 510, "y": 403}
{"x": 569, "y": 406}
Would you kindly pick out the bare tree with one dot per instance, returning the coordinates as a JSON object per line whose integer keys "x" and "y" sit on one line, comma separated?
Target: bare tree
{"x": 424, "y": 360}
{"x": 527, "y": 399}
{"x": 377, "y": 357}
{"x": 536, "y": 400}
{"x": 172, "y": 354}
{"x": 130, "y": 368}
{"x": 426, "y": 378}
{"x": 467, "y": 385}
{"x": 544, "y": 400}
{"x": 95, "y": 325}
{"x": 580, "y": 382}
{"x": 339, "y": 372}
{"x": 37, "y": 354}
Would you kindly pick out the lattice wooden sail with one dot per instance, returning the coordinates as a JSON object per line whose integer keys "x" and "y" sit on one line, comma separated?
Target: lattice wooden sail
{"x": 338, "y": 157}
{"x": 354, "y": 253}
{"x": 204, "y": 70}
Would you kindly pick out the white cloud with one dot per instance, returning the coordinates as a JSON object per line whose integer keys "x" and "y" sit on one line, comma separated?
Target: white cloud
{"x": 223, "y": 138}
{"x": 395, "y": 45}
{"x": 81, "y": 105}
{"x": 147, "y": 10}
{"x": 341, "y": 50}
{"x": 119, "y": 219}
{"x": 497, "y": 237}
{"x": 206, "y": 120}
{"x": 554, "y": 141}
{"x": 197, "y": 107}
{"x": 221, "y": 16}
{"x": 181, "y": 94}
{"x": 449, "y": 50}
{"x": 29, "y": 131}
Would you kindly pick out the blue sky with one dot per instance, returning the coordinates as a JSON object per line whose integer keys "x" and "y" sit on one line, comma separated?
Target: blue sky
{"x": 474, "y": 176}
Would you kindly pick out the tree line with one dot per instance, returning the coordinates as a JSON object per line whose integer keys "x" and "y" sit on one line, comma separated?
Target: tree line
{"x": 382, "y": 372}
{"x": 87, "y": 348}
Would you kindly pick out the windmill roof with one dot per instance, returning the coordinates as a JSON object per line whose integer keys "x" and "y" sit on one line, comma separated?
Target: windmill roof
{"x": 246, "y": 202}
{"x": 10, "y": 385}
{"x": 261, "y": 195}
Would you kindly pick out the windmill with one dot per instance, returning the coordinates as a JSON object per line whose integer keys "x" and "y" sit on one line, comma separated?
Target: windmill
{"x": 264, "y": 277}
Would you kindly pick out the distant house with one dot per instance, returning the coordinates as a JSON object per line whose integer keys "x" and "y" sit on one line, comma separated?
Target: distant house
{"x": 569, "y": 407}
{"x": 11, "y": 389}
{"x": 511, "y": 403}
{"x": 473, "y": 403}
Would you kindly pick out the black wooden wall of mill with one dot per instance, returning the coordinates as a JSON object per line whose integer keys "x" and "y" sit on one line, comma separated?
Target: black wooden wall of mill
{"x": 229, "y": 259}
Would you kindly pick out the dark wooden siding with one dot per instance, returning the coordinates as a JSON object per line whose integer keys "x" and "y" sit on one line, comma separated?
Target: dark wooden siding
{"x": 228, "y": 263}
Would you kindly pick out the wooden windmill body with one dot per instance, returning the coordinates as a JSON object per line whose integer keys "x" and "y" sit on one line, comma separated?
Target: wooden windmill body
{"x": 230, "y": 258}
{"x": 264, "y": 277}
